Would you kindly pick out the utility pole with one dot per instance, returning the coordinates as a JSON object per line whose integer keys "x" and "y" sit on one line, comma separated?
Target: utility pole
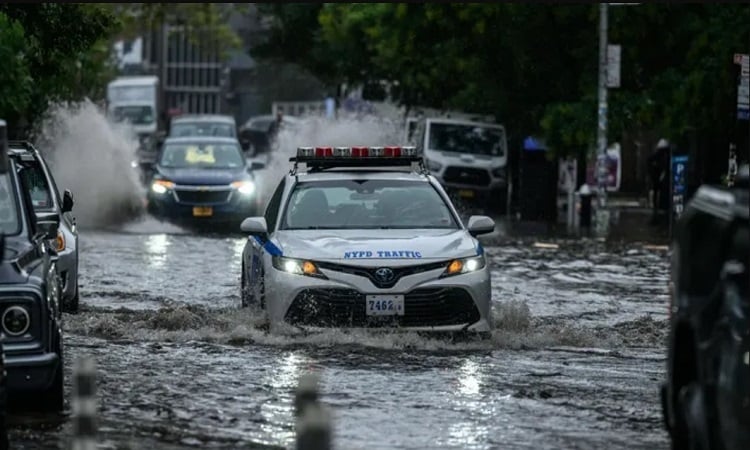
{"x": 602, "y": 214}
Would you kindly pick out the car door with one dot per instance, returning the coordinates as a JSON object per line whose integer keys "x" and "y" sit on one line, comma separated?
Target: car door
{"x": 254, "y": 262}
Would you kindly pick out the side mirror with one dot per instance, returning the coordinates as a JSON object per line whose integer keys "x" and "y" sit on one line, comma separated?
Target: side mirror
{"x": 67, "y": 204}
{"x": 480, "y": 225}
{"x": 47, "y": 225}
{"x": 256, "y": 165}
{"x": 254, "y": 226}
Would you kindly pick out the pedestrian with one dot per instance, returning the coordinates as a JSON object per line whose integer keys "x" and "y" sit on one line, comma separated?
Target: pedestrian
{"x": 658, "y": 165}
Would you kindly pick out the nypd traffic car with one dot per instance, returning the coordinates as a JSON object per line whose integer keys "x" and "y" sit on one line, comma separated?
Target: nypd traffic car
{"x": 366, "y": 237}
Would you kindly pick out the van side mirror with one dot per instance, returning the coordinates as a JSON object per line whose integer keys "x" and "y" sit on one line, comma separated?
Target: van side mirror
{"x": 47, "y": 224}
{"x": 67, "y": 203}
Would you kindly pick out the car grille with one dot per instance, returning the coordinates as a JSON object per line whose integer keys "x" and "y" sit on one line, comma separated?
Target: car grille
{"x": 398, "y": 272}
{"x": 468, "y": 176}
{"x": 423, "y": 307}
{"x": 197, "y": 197}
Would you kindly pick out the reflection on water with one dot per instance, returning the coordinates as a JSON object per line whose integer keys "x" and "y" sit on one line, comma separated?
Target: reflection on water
{"x": 282, "y": 380}
{"x": 156, "y": 246}
{"x": 470, "y": 403}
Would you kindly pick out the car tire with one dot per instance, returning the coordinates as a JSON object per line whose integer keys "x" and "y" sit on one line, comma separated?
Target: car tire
{"x": 53, "y": 399}
{"x": 692, "y": 407}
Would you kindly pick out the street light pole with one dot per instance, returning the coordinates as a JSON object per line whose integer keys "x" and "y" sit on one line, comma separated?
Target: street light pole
{"x": 602, "y": 214}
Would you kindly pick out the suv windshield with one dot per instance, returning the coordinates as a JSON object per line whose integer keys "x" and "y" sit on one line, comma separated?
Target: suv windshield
{"x": 466, "y": 138}
{"x": 9, "y": 220}
{"x": 366, "y": 204}
{"x": 210, "y": 156}
{"x": 219, "y": 129}
{"x": 137, "y": 115}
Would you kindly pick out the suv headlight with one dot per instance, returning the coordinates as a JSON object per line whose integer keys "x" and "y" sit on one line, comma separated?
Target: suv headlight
{"x": 244, "y": 187}
{"x": 16, "y": 320}
{"x": 464, "y": 265}
{"x": 296, "y": 266}
{"x": 433, "y": 166}
{"x": 161, "y": 186}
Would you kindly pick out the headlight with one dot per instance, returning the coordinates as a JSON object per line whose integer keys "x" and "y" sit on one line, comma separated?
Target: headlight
{"x": 464, "y": 265}
{"x": 244, "y": 187}
{"x": 16, "y": 320}
{"x": 60, "y": 241}
{"x": 433, "y": 166}
{"x": 161, "y": 186}
{"x": 296, "y": 266}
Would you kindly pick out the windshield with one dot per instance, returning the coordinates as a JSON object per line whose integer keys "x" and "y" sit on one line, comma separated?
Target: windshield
{"x": 137, "y": 115}
{"x": 218, "y": 129}
{"x": 473, "y": 139}
{"x": 208, "y": 156}
{"x": 9, "y": 221}
{"x": 366, "y": 204}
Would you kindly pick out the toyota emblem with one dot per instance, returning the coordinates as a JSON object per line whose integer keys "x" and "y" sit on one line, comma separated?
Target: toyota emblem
{"x": 384, "y": 274}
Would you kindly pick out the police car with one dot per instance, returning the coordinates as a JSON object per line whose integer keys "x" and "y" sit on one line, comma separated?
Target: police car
{"x": 366, "y": 237}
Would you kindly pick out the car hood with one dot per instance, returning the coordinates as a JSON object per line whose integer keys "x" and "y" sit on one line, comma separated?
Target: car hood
{"x": 368, "y": 247}
{"x": 203, "y": 176}
{"x": 9, "y": 269}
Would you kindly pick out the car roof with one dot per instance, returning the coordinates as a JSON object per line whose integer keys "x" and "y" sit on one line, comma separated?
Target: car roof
{"x": 365, "y": 174}
{"x": 21, "y": 148}
{"x": 204, "y": 118}
{"x": 201, "y": 140}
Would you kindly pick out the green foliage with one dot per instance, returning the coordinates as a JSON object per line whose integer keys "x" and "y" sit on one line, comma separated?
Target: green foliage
{"x": 534, "y": 66}
{"x": 15, "y": 78}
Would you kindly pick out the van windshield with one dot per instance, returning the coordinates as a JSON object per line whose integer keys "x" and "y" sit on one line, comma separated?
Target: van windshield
{"x": 467, "y": 138}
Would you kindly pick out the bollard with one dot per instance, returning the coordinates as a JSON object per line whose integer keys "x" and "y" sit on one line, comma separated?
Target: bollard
{"x": 584, "y": 220}
{"x": 307, "y": 393}
{"x": 84, "y": 405}
{"x": 4, "y": 443}
{"x": 314, "y": 428}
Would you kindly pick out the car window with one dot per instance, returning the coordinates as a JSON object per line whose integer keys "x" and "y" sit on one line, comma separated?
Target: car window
{"x": 214, "y": 129}
{"x": 272, "y": 210}
{"x": 211, "y": 156}
{"x": 39, "y": 189}
{"x": 9, "y": 218}
{"x": 367, "y": 204}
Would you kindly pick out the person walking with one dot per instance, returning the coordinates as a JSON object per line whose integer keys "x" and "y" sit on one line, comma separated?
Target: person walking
{"x": 658, "y": 164}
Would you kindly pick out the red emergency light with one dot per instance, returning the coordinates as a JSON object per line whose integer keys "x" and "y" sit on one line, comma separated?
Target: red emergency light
{"x": 357, "y": 156}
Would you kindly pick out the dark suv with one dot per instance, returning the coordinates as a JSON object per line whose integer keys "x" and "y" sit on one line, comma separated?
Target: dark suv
{"x": 30, "y": 318}
{"x": 706, "y": 397}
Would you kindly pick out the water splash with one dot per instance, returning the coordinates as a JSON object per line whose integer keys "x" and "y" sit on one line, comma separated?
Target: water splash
{"x": 91, "y": 156}
{"x": 319, "y": 131}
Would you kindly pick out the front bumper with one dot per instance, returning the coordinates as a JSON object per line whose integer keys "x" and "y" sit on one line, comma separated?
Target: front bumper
{"x": 236, "y": 208}
{"x": 458, "y": 303}
{"x": 34, "y": 372}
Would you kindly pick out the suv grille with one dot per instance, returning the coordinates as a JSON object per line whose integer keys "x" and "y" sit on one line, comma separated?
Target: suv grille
{"x": 196, "y": 197}
{"x": 423, "y": 307}
{"x": 466, "y": 175}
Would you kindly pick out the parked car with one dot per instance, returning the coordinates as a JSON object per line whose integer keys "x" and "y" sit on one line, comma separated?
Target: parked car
{"x": 30, "y": 315}
{"x": 46, "y": 199}
{"x": 706, "y": 394}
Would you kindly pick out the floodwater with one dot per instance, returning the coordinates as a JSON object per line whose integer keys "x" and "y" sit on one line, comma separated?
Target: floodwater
{"x": 575, "y": 360}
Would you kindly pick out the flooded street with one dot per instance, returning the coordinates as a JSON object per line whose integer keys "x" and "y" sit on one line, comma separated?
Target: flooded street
{"x": 574, "y": 362}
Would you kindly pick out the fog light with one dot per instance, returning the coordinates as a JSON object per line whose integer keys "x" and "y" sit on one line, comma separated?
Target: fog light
{"x": 16, "y": 320}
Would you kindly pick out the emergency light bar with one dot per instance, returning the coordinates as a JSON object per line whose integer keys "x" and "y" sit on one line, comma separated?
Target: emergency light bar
{"x": 357, "y": 156}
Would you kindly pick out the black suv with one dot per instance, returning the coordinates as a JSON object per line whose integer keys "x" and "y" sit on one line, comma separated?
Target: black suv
{"x": 706, "y": 397}
{"x": 30, "y": 317}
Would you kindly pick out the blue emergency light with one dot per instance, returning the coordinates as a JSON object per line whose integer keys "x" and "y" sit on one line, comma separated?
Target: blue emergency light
{"x": 321, "y": 157}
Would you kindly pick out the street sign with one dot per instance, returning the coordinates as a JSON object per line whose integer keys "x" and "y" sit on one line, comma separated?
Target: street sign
{"x": 743, "y": 86}
{"x": 679, "y": 183}
{"x": 613, "y": 66}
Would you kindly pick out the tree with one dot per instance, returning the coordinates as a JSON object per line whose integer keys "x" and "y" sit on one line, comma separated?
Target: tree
{"x": 16, "y": 83}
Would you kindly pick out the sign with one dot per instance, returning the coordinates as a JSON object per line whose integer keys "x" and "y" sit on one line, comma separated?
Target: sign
{"x": 743, "y": 86}
{"x": 679, "y": 183}
{"x": 612, "y": 166}
{"x": 613, "y": 66}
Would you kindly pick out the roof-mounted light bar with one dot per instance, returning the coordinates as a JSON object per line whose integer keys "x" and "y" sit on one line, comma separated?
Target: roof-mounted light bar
{"x": 357, "y": 156}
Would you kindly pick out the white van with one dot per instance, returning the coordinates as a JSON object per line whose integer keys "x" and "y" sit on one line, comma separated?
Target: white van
{"x": 134, "y": 99}
{"x": 469, "y": 157}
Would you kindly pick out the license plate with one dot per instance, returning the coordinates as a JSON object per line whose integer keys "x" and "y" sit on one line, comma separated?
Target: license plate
{"x": 384, "y": 305}
{"x": 466, "y": 193}
{"x": 203, "y": 211}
